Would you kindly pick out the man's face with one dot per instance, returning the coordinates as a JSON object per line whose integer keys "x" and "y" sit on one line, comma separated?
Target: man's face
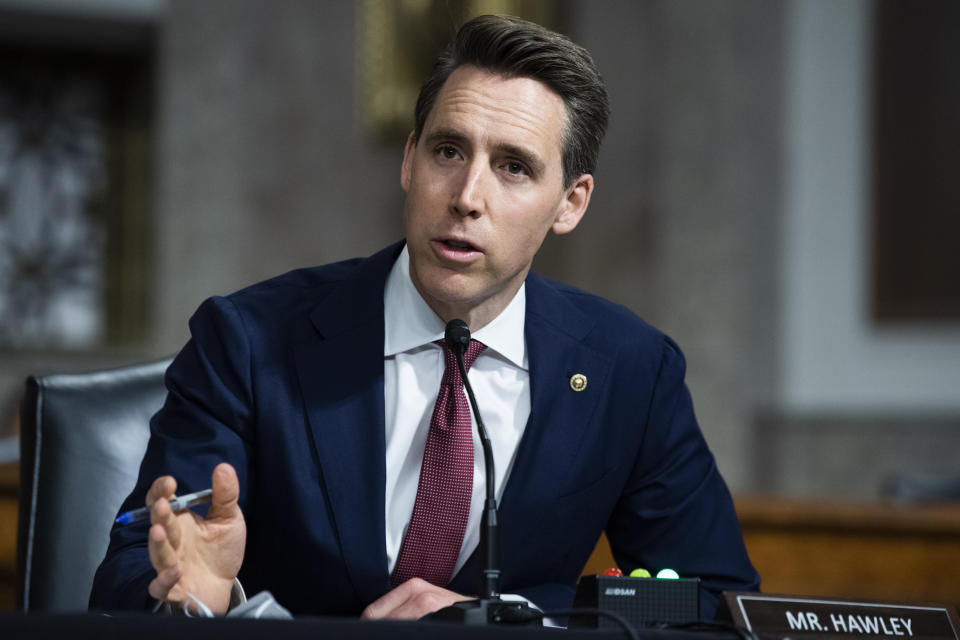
{"x": 484, "y": 184}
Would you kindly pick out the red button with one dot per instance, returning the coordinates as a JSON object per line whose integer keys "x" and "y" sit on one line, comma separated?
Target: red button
{"x": 613, "y": 571}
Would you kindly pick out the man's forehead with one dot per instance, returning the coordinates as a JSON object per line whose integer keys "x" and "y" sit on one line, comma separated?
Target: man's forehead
{"x": 514, "y": 110}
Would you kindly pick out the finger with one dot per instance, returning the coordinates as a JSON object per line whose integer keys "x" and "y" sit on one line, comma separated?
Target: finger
{"x": 159, "y": 588}
{"x": 226, "y": 492}
{"x": 162, "y": 514}
{"x": 388, "y": 601}
{"x": 412, "y": 599}
{"x": 162, "y": 487}
{"x": 423, "y": 602}
{"x": 162, "y": 555}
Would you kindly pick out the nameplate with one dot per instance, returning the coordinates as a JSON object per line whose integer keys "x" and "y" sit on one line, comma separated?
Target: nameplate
{"x": 793, "y": 616}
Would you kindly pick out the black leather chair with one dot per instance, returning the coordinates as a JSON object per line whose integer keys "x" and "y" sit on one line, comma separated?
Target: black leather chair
{"x": 82, "y": 438}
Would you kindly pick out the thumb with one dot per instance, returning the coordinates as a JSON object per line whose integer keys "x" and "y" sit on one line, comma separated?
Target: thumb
{"x": 226, "y": 492}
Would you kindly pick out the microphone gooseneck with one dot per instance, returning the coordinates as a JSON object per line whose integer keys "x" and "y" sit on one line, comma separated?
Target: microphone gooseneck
{"x": 457, "y": 336}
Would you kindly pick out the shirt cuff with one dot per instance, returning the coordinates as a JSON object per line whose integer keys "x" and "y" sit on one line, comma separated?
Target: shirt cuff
{"x": 237, "y": 597}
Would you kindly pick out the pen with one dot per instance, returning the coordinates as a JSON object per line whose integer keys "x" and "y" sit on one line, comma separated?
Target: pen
{"x": 177, "y": 504}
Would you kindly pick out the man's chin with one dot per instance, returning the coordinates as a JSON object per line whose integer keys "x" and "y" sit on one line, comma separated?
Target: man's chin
{"x": 452, "y": 295}
{"x": 448, "y": 292}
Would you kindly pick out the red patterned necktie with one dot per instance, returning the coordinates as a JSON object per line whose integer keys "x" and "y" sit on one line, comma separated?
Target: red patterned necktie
{"x": 435, "y": 534}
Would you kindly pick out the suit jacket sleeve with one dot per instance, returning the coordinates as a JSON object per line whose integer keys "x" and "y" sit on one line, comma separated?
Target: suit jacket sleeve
{"x": 204, "y": 421}
{"x": 675, "y": 510}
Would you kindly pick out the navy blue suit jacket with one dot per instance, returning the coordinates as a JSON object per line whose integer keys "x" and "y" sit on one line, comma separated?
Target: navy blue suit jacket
{"x": 284, "y": 380}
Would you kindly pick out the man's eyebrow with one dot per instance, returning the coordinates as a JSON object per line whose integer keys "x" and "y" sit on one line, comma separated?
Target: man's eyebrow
{"x": 536, "y": 165}
{"x": 445, "y": 134}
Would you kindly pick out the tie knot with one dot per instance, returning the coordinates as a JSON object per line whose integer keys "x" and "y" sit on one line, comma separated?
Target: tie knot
{"x": 451, "y": 372}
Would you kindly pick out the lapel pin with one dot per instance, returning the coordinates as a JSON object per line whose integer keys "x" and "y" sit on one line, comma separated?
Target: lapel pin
{"x": 578, "y": 382}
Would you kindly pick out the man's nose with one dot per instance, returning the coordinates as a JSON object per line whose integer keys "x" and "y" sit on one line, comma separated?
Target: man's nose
{"x": 470, "y": 194}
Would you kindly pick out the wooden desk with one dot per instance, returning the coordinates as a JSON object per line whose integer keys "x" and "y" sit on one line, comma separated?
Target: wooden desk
{"x": 846, "y": 549}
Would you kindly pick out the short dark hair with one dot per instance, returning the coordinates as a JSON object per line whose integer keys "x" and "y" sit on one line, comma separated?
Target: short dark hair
{"x": 512, "y": 47}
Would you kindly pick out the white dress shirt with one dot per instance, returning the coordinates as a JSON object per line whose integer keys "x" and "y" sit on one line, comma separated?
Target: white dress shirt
{"x": 413, "y": 367}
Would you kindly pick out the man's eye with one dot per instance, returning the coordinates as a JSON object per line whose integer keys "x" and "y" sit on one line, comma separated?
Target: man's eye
{"x": 515, "y": 168}
{"x": 448, "y": 152}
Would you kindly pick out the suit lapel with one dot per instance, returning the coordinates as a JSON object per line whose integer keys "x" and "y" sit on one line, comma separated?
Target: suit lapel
{"x": 559, "y": 416}
{"x": 341, "y": 374}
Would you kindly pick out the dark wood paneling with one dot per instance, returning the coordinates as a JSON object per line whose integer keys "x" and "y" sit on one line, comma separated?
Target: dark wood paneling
{"x": 916, "y": 153}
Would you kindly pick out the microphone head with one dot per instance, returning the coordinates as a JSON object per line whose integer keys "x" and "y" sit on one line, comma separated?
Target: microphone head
{"x": 457, "y": 335}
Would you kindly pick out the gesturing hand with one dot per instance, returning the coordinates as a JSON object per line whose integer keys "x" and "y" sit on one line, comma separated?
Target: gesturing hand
{"x": 195, "y": 555}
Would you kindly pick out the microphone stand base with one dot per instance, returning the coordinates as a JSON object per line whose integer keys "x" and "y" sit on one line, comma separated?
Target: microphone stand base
{"x": 488, "y": 611}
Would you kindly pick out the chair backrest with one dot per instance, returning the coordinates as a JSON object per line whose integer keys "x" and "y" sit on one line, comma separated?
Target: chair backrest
{"x": 82, "y": 439}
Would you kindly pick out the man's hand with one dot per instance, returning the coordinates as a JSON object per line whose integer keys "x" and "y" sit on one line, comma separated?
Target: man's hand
{"x": 201, "y": 556}
{"x": 413, "y": 599}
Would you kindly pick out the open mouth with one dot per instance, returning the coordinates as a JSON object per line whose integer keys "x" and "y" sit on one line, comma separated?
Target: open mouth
{"x": 458, "y": 245}
{"x": 455, "y": 250}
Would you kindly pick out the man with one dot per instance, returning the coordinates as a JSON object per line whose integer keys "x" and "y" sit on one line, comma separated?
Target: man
{"x": 311, "y": 396}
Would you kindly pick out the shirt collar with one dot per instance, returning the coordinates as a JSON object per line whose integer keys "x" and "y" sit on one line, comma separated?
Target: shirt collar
{"x": 410, "y": 323}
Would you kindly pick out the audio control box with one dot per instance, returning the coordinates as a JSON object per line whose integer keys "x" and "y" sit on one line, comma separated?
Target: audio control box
{"x": 643, "y": 602}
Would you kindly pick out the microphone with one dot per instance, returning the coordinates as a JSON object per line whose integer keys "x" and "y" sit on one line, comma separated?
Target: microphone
{"x": 457, "y": 337}
{"x": 489, "y": 608}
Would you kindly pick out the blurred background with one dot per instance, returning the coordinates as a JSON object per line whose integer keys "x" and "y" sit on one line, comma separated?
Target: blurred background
{"x": 777, "y": 191}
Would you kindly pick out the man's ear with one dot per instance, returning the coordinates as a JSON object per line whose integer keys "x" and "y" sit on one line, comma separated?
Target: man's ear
{"x": 406, "y": 168}
{"x": 576, "y": 198}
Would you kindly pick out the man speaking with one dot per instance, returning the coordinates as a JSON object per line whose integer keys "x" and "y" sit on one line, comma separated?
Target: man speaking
{"x": 346, "y": 471}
